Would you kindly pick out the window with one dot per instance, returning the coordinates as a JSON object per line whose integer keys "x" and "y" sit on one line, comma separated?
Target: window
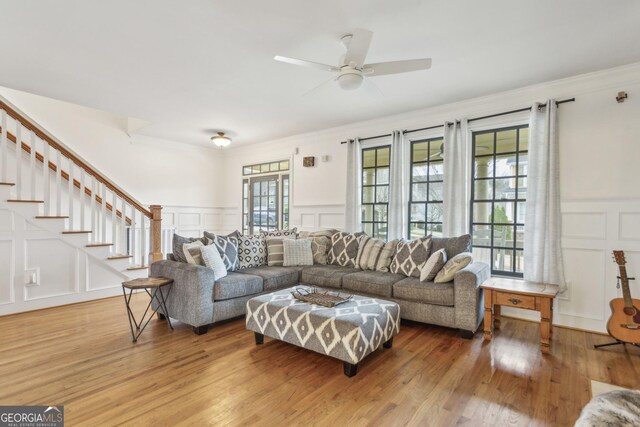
{"x": 265, "y": 197}
{"x": 498, "y": 197}
{"x": 375, "y": 190}
{"x": 425, "y": 191}
{"x": 261, "y": 168}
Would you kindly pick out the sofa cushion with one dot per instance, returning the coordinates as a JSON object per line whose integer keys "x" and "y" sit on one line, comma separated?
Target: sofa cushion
{"x": 412, "y": 289}
{"x": 228, "y": 248}
{"x": 275, "y": 277}
{"x": 236, "y": 285}
{"x": 371, "y": 282}
{"x": 452, "y": 245}
{"x": 178, "y": 243}
{"x": 297, "y": 252}
{"x": 325, "y": 275}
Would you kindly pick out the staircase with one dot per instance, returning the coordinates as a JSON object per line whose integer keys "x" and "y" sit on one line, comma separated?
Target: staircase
{"x": 56, "y": 190}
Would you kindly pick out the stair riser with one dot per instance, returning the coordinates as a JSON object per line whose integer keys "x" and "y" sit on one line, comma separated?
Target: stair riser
{"x": 119, "y": 264}
{"x": 6, "y": 192}
{"x": 77, "y": 239}
{"x": 56, "y": 225}
{"x": 134, "y": 274}
{"x": 27, "y": 210}
{"x": 100, "y": 252}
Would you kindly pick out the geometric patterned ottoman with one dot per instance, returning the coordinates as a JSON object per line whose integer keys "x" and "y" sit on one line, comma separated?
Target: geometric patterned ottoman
{"x": 348, "y": 332}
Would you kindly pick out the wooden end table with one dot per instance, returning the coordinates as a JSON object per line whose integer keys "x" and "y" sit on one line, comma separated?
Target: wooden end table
{"x": 519, "y": 293}
{"x": 153, "y": 287}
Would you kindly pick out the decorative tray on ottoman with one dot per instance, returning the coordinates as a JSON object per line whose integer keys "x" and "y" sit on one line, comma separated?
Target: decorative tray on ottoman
{"x": 316, "y": 296}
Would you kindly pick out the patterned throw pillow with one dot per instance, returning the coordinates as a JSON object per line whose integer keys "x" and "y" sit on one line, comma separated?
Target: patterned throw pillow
{"x": 280, "y": 233}
{"x": 319, "y": 247}
{"x": 210, "y": 236}
{"x": 433, "y": 265}
{"x": 192, "y": 252}
{"x": 228, "y": 248}
{"x": 275, "y": 250}
{"x": 252, "y": 251}
{"x": 344, "y": 249}
{"x": 178, "y": 242}
{"x": 452, "y": 266}
{"x": 297, "y": 252}
{"x": 213, "y": 260}
{"x": 410, "y": 256}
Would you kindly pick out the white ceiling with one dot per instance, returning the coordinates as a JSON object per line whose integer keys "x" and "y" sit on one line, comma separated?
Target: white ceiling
{"x": 194, "y": 67}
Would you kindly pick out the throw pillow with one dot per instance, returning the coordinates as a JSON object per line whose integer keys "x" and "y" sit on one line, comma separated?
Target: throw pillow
{"x": 228, "y": 248}
{"x": 210, "y": 236}
{"x": 319, "y": 248}
{"x": 275, "y": 250}
{"x": 213, "y": 260}
{"x": 280, "y": 233}
{"x": 410, "y": 256}
{"x": 344, "y": 249}
{"x": 192, "y": 252}
{"x": 252, "y": 251}
{"x": 297, "y": 252}
{"x": 386, "y": 256}
{"x": 178, "y": 242}
{"x": 433, "y": 265}
{"x": 452, "y": 266}
{"x": 368, "y": 251}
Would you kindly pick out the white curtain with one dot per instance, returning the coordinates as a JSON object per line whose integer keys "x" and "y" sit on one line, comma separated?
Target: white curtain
{"x": 457, "y": 180}
{"x": 542, "y": 252}
{"x": 398, "y": 187}
{"x": 353, "y": 210}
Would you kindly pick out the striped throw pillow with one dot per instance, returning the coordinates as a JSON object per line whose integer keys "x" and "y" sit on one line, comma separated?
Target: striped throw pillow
{"x": 275, "y": 250}
{"x": 375, "y": 254}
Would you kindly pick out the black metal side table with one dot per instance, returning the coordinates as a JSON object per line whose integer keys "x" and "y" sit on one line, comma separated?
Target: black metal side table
{"x": 153, "y": 287}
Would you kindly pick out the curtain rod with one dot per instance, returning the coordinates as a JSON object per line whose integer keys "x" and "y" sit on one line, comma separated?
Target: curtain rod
{"x": 520, "y": 110}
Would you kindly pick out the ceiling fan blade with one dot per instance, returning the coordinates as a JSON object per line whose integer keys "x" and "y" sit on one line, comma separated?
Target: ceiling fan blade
{"x": 358, "y": 47}
{"x": 395, "y": 67}
{"x": 372, "y": 89}
{"x": 303, "y": 63}
{"x": 317, "y": 88}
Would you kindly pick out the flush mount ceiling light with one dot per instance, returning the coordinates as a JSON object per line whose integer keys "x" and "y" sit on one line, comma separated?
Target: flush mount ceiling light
{"x": 220, "y": 140}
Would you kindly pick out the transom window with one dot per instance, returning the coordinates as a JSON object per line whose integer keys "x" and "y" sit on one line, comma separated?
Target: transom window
{"x": 375, "y": 190}
{"x": 499, "y": 192}
{"x": 425, "y": 191}
{"x": 260, "y": 168}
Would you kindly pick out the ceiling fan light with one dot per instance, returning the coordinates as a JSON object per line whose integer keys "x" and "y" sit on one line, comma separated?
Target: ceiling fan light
{"x": 350, "y": 81}
{"x": 220, "y": 140}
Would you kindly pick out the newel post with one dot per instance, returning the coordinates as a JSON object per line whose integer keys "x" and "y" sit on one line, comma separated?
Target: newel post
{"x": 156, "y": 232}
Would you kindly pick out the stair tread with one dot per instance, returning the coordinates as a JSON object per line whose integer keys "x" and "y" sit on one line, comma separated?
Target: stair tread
{"x": 120, "y": 256}
{"x": 51, "y": 217}
{"x": 76, "y": 232}
{"x": 93, "y": 245}
{"x": 7, "y": 183}
{"x": 25, "y": 201}
{"x": 140, "y": 267}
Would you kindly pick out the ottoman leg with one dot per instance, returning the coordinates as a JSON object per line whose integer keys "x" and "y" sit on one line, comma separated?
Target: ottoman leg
{"x": 350, "y": 369}
{"x": 388, "y": 344}
{"x": 259, "y": 338}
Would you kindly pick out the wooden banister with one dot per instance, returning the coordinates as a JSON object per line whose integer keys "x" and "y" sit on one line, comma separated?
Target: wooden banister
{"x": 64, "y": 174}
{"x": 71, "y": 156}
{"x": 156, "y": 233}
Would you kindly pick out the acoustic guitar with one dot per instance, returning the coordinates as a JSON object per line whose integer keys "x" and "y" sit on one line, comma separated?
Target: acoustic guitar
{"x": 624, "y": 323}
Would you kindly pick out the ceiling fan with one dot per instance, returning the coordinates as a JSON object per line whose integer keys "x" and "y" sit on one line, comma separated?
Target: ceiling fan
{"x": 352, "y": 69}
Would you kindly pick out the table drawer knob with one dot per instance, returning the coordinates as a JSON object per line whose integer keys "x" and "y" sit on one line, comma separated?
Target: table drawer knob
{"x": 515, "y": 301}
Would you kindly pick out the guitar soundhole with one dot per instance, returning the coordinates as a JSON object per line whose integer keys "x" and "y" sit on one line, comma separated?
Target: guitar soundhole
{"x": 630, "y": 311}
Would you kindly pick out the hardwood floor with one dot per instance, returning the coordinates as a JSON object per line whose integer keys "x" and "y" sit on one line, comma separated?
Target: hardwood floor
{"x": 82, "y": 356}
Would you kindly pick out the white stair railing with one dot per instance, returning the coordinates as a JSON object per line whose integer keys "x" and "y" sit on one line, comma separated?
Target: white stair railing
{"x": 99, "y": 206}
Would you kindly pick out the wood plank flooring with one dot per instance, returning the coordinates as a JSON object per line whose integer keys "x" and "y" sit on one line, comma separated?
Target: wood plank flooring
{"x": 82, "y": 356}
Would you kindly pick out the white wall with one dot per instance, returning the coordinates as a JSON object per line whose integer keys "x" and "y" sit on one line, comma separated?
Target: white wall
{"x": 600, "y": 179}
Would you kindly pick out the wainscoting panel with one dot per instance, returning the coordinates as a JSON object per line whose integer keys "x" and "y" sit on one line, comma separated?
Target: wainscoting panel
{"x": 584, "y": 225}
{"x": 629, "y": 226}
{"x": 58, "y": 274}
{"x": 584, "y": 269}
{"x": 7, "y": 260}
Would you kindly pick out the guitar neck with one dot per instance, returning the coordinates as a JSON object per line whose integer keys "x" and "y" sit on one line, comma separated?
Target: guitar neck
{"x": 624, "y": 282}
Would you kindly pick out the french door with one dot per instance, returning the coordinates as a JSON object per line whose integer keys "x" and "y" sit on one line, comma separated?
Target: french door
{"x": 265, "y": 203}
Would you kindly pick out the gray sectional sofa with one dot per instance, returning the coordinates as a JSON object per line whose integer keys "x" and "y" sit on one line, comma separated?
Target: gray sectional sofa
{"x": 198, "y": 300}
